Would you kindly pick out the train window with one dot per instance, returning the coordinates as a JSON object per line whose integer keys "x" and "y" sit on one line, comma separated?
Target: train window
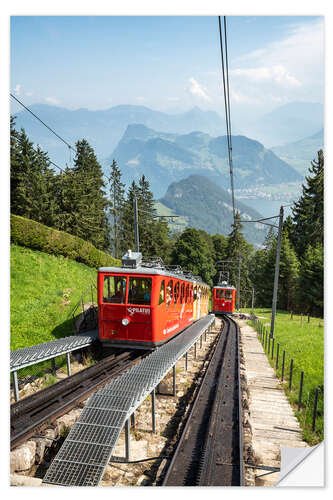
{"x": 182, "y": 293}
{"x": 195, "y": 293}
{"x": 169, "y": 292}
{"x": 228, "y": 294}
{"x": 219, "y": 294}
{"x": 187, "y": 293}
{"x": 161, "y": 299}
{"x": 139, "y": 291}
{"x": 114, "y": 289}
{"x": 176, "y": 295}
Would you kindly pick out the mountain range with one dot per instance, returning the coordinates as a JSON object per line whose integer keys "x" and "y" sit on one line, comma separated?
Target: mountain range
{"x": 165, "y": 158}
{"x": 103, "y": 129}
{"x": 207, "y": 206}
{"x": 299, "y": 154}
{"x": 289, "y": 123}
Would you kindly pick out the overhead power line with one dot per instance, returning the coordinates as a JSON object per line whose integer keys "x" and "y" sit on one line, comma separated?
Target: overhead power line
{"x": 70, "y": 147}
{"x": 225, "y": 78}
{"x": 45, "y": 125}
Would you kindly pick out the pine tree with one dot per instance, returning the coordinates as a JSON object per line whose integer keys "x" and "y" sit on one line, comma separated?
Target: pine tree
{"x": 90, "y": 202}
{"x": 239, "y": 252}
{"x": 117, "y": 201}
{"x": 32, "y": 180}
{"x": 308, "y": 211}
{"x": 311, "y": 280}
{"x": 191, "y": 252}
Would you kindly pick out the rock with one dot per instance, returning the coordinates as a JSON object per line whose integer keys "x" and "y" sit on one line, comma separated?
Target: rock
{"x": 23, "y": 458}
{"x": 67, "y": 421}
{"x": 17, "y": 480}
{"x": 143, "y": 480}
{"x": 40, "y": 450}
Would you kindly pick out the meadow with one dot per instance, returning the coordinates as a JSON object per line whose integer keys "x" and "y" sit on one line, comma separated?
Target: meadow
{"x": 44, "y": 291}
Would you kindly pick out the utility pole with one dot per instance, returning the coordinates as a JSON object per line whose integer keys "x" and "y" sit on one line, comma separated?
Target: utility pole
{"x": 136, "y": 225}
{"x": 238, "y": 291}
{"x": 276, "y": 276}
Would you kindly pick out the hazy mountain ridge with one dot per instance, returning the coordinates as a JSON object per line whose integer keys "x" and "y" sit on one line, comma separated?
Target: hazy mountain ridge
{"x": 103, "y": 129}
{"x": 209, "y": 207}
{"x": 300, "y": 153}
{"x": 285, "y": 124}
{"x": 166, "y": 158}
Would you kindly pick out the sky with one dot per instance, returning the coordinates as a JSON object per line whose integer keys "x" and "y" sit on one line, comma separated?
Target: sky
{"x": 168, "y": 63}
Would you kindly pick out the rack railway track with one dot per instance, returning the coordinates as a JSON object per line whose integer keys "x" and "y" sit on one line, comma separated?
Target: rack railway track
{"x": 29, "y": 415}
{"x": 209, "y": 452}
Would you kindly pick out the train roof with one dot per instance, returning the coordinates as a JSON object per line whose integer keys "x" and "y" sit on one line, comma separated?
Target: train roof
{"x": 225, "y": 287}
{"x": 151, "y": 271}
{"x": 133, "y": 263}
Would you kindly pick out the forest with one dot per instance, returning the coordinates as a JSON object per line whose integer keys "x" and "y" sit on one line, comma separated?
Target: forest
{"x": 82, "y": 200}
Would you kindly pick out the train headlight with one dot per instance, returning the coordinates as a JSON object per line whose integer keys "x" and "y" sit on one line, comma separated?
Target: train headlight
{"x": 125, "y": 321}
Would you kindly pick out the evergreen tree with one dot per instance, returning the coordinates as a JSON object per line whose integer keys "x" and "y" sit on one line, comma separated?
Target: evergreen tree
{"x": 311, "y": 281}
{"x": 239, "y": 251}
{"x": 89, "y": 203}
{"x": 191, "y": 252}
{"x": 117, "y": 201}
{"x": 308, "y": 211}
{"x": 32, "y": 181}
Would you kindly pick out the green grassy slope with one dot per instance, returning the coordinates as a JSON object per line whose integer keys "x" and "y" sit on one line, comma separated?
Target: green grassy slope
{"x": 44, "y": 291}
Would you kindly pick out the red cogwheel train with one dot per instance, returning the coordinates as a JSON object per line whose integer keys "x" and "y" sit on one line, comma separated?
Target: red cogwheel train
{"x": 143, "y": 304}
{"x": 224, "y": 298}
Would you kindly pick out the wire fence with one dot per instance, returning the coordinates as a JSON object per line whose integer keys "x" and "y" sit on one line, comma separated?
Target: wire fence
{"x": 306, "y": 398}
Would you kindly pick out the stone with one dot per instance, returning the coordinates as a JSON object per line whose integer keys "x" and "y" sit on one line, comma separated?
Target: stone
{"x": 67, "y": 421}
{"x": 17, "y": 480}
{"x": 23, "y": 458}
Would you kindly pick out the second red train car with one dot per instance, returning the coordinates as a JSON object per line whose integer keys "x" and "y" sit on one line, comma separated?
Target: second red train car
{"x": 224, "y": 298}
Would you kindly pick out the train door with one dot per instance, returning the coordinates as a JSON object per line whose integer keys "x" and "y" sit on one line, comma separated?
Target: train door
{"x": 112, "y": 310}
{"x": 138, "y": 310}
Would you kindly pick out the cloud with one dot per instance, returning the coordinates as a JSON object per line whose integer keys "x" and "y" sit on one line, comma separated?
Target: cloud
{"x": 17, "y": 89}
{"x": 173, "y": 99}
{"x": 277, "y": 74}
{"x": 52, "y": 100}
{"x": 197, "y": 90}
{"x": 291, "y": 68}
{"x": 140, "y": 98}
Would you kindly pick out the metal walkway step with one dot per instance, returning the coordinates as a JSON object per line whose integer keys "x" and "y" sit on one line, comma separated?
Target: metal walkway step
{"x": 35, "y": 354}
{"x": 84, "y": 455}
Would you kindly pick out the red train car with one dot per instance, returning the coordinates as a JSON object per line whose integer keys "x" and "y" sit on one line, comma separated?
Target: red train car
{"x": 143, "y": 306}
{"x": 224, "y": 298}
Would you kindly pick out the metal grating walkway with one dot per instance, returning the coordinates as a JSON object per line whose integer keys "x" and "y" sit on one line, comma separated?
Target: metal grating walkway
{"x": 82, "y": 459}
{"x": 42, "y": 352}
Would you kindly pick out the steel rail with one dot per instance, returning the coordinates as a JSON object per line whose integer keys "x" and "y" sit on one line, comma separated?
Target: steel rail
{"x": 200, "y": 457}
{"x": 33, "y": 412}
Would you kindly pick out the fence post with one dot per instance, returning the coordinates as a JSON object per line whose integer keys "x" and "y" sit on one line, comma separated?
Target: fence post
{"x": 300, "y": 391}
{"x": 266, "y": 341}
{"x": 53, "y": 365}
{"x": 277, "y": 356}
{"x": 16, "y": 387}
{"x": 269, "y": 344}
{"x": 291, "y": 373}
{"x": 283, "y": 362}
{"x": 127, "y": 440}
{"x": 68, "y": 357}
{"x": 273, "y": 341}
{"x": 186, "y": 360}
{"x": 153, "y": 410}
{"x": 314, "y": 416}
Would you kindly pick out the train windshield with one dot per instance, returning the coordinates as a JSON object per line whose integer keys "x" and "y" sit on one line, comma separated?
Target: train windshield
{"x": 139, "y": 291}
{"x": 228, "y": 294}
{"x": 114, "y": 289}
{"x": 219, "y": 294}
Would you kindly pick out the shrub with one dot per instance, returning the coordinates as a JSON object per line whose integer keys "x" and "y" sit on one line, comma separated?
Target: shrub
{"x": 32, "y": 234}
